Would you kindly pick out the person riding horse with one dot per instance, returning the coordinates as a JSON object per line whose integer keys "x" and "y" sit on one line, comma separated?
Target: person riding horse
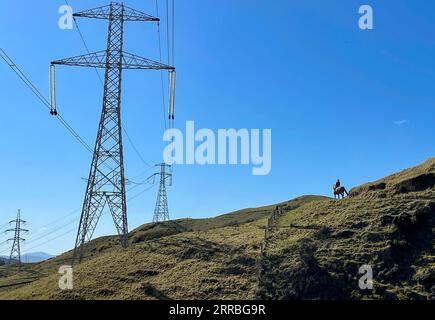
{"x": 339, "y": 190}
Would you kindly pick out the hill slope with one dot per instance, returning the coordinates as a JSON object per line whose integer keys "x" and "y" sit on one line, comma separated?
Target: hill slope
{"x": 184, "y": 259}
{"x": 313, "y": 251}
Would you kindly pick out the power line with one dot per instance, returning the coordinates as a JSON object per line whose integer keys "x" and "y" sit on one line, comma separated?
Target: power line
{"x": 4, "y": 225}
{"x": 55, "y": 238}
{"x": 136, "y": 150}
{"x": 142, "y": 192}
{"x": 48, "y": 234}
{"x": 60, "y": 219}
{"x": 42, "y": 98}
{"x": 49, "y": 225}
{"x": 139, "y": 184}
{"x": 141, "y": 174}
{"x": 52, "y": 232}
{"x": 4, "y": 243}
{"x": 167, "y": 29}
{"x": 173, "y": 33}
{"x": 69, "y": 223}
{"x": 63, "y": 226}
{"x": 84, "y": 43}
{"x": 161, "y": 72}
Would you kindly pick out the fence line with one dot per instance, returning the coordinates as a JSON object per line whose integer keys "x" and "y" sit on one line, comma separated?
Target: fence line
{"x": 270, "y": 225}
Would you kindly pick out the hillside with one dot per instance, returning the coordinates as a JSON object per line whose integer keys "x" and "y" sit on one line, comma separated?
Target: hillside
{"x": 313, "y": 251}
{"x": 190, "y": 259}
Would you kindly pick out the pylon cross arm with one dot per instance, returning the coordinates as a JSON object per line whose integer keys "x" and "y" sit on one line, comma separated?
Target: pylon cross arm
{"x": 131, "y": 61}
{"x": 98, "y": 60}
{"x": 104, "y": 12}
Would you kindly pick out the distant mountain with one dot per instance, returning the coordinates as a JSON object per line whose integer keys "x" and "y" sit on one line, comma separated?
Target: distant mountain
{"x": 33, "y": 257}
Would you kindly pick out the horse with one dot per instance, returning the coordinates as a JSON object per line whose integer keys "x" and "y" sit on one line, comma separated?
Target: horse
{"x": 340, "y": 191}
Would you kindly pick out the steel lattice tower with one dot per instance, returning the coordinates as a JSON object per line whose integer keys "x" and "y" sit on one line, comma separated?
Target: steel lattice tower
{"x": 15, "y": 256}
{"x": 106, "y": 183}
{"x": 161, "y": 211}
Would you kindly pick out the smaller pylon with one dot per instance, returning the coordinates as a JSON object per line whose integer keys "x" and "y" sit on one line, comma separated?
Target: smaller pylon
{"x": 161, "y": 212}
{"x": 15, "y": 256}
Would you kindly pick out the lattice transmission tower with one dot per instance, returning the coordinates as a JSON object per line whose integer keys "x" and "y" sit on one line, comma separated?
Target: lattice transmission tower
{"x": 106, "y": 182}
{"x": 15, "y": 256}
{"x": 161, "y": 211}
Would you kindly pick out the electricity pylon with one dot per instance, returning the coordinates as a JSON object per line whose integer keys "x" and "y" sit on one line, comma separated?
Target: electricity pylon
{"x": 161, "y": 211}
{"x": 106, "y": 183}
{"x": 15, "y": 256}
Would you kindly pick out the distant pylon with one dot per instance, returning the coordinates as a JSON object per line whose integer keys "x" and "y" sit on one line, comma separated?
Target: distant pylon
{"x": 15, "y": 256}
{"x": 161, "y": 212}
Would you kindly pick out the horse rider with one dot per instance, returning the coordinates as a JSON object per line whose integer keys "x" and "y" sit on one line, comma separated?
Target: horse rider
{"x": 337, "y": 184}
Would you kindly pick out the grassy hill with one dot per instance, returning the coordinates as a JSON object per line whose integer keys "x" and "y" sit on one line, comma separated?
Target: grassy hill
{"x": 313, "y": 251}
{"x": 316, "y": 250}
{"x": 188, "y": 258}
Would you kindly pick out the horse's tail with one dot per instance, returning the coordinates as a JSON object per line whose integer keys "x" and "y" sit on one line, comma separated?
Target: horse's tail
{"x": 347, "y": 193}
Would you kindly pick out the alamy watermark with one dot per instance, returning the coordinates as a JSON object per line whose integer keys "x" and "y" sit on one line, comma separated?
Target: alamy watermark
{"x": 366, "y": 280}
{"x": 366, "y": 20}
{"x": 227, "y": 146}
{"x": 66, "y": 20}
{"x": 66, "y": 279}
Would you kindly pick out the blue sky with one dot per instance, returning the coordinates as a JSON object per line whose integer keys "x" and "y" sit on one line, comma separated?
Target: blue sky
{"x": 341, "y": 102}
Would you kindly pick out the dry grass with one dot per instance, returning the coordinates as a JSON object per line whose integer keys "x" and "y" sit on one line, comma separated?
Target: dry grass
{"x": 314, "y": 253}
{"x": 317, "y": 249}
{"x": 187, "y": 259}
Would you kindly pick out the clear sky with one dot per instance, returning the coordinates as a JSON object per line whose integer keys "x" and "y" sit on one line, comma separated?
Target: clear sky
{"x": 341, "y": 103}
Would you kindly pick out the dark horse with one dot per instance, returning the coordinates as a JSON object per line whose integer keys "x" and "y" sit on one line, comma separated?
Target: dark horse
{"x": 340, "y": 191}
